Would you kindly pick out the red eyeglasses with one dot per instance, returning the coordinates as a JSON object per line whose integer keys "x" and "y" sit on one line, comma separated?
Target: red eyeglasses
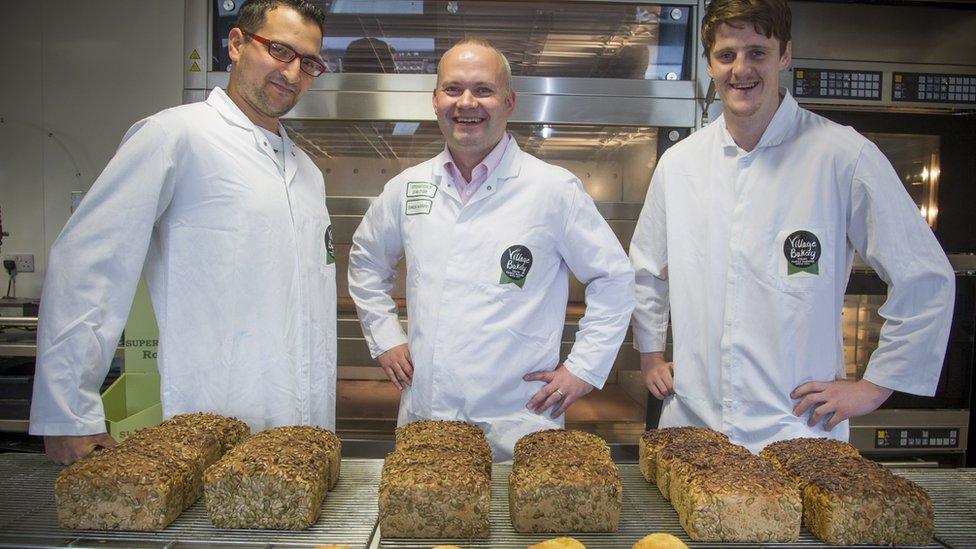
{"x": 309, "y": 65}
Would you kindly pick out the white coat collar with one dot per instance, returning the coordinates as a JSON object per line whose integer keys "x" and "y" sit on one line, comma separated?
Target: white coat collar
{"x": 219, "y": 100}
{"x": 509, "y": 166}
{"x": 778, "y": 128}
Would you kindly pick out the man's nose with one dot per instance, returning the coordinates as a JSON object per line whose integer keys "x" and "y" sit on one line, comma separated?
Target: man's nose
{"x": 740, "y": 66}
{"x": 467, "y": 99}
{"x": 292, "y": 70}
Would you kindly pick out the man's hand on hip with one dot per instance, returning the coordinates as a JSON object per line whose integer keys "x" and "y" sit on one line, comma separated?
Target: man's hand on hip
{"x": 561, "y": 389}
{"x": 836, "y": 401}
{"x": 65, "y": 450}
{"x": 398, "y": 365}
{"x": 658, "y": 374}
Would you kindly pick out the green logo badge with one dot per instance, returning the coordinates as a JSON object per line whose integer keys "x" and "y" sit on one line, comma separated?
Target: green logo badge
{"x": 329, "y": 247}
{"x": 516, "y": 262}
{"x": 802, "y": 251}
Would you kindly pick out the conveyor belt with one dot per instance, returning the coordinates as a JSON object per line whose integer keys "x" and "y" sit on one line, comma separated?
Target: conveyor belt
{"x": 28, "y": 519}
{"x": 644, "y": 511}
{"x": 27, "y": 516}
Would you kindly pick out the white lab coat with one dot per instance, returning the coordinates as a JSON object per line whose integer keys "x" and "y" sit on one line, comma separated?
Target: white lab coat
{"x": 712, "y": 242}
{"x": 237, "y": 267}
{"x": 471, "y": 336}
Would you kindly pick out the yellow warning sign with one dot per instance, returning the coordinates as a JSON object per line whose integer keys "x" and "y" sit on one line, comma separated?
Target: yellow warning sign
{"x": 194, "y": 67}
{"x": 194, "y": 55}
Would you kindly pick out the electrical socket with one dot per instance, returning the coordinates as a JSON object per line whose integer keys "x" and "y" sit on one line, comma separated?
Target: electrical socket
{"x": 25, "y": 262}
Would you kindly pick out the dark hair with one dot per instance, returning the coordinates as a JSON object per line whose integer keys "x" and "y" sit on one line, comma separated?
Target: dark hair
{"x": 253, "y": 13}
{"x": 771, "y": 18}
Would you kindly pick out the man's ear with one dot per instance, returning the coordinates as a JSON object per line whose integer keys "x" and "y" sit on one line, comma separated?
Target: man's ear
{"x": 787, "y": 57}
{"x": 235, "y": 40}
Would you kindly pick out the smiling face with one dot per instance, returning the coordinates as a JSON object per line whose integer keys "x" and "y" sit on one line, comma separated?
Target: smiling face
{"x": 263, "y": 87}
{"x": 473, "y": 101}
{"x": 745, "y": 66}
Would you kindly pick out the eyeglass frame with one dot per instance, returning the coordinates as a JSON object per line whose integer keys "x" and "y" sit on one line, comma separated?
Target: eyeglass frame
{"x": 295, "y": 55}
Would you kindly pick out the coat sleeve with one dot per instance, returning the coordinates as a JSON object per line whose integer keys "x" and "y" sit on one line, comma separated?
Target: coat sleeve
{"x": 594, "y": 255}
{"x": 377, "y": 247}
{"x": 649, "y": 257}
{"x": 886, "y": 229}
{"x": 93, "y": 269}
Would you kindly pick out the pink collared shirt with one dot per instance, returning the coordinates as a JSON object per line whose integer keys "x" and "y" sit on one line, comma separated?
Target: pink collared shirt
{"x": 479, "y": 174}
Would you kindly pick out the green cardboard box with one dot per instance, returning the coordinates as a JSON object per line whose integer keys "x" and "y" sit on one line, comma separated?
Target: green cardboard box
{"x": 131, "y": 403}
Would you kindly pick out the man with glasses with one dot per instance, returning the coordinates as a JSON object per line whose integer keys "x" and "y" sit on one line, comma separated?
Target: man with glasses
{"x": 226, "y": 218}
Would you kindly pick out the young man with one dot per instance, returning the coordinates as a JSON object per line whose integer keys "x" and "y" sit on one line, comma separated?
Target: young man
{"x": 747, "y": 237}
{"x": 488, "y": 232}
{"x": 227, "y": 218}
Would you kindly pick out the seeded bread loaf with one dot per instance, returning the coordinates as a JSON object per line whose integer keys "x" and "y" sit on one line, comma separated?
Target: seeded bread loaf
{"x": 564, "y": 481}
{"x": 653, "y": 440}
{"x": 436, "y": 484}
{"x": 137, "y": 485}
{"x": 675, "y": 457}
{"x": 275, "y": 479}
{"x": 786, "y": 452}
{"x": 228, "y": 431}
{"x": 433, "y": 494}
{"x": 454, "y": 435}
{"x": 146, "y": 481}
{"x": 850, "y": 500}
{"x": 723, "y": 493}
{"x": 548, "y": 445}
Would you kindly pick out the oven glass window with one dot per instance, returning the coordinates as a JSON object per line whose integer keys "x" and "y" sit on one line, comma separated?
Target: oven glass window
{"x": 549, "y": 39}
{"x": 916, "y": 161}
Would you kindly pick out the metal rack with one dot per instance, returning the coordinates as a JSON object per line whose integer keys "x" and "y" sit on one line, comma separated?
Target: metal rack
{"x": 349, "y": 515}
{"x": 28, "y": 517}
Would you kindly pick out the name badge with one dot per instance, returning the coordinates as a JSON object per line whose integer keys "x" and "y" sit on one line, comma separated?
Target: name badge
{"x": 417, "y": 206}
{"x": 421, "y": 188}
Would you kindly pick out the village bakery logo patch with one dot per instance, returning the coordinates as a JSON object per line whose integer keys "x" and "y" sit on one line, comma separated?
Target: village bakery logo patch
{"x": 329, "y": 247}
{"x": 802, "y": 251}
{"x": 516, "y": 262}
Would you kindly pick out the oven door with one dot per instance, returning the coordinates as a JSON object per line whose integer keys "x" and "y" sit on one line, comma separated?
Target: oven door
{"x": 932, "y": 154}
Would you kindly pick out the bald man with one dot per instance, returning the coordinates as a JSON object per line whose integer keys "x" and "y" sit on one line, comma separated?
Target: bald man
{"x": 490, "y": 233}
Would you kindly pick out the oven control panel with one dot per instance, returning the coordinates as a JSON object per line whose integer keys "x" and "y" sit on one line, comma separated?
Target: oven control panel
{"x": 833, "y": 83}
{"x": 916, "y": 438}
{"x": 933, "y": 88}
{"x": 874, "y": 85}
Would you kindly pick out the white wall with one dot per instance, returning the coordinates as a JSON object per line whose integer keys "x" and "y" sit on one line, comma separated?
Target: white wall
{"x": 76, "y": 74}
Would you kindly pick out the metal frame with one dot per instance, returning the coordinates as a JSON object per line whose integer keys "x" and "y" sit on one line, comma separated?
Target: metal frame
{"x": 407, "y": 97}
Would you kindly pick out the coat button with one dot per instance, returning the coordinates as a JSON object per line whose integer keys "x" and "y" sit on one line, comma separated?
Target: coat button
{"x": 489, "y": 187}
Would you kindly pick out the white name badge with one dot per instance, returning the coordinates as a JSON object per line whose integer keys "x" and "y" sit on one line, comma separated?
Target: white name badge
{"x": 421, "y": 188}
{"x": 417, "y": 206}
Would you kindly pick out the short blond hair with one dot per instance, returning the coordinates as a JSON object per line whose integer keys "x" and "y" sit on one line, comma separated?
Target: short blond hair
{"x": 475, "y": 41}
